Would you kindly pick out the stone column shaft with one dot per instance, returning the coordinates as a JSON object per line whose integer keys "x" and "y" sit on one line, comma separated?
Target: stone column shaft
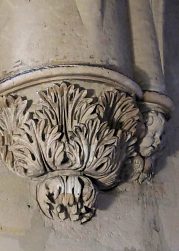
{"x": 147, "y": 62}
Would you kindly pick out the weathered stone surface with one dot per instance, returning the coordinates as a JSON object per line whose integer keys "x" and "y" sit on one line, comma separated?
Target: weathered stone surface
{"x": 72, "y": 33}
{"x": 129, "y": 218}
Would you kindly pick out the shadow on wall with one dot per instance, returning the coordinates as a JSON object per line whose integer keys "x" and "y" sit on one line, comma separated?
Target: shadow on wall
{"x": 171, "y": 73}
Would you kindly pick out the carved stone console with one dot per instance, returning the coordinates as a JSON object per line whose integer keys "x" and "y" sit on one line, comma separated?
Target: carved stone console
{"x": 83, "y": 126}
{"x": 76, "y": 143}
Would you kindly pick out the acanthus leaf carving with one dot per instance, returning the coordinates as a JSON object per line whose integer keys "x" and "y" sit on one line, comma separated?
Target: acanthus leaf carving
{"x": 67, "y": 197}
{"x": 74, "y": 142}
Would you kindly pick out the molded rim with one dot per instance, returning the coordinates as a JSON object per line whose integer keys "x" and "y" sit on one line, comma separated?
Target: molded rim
{"x": 67, "y": 72}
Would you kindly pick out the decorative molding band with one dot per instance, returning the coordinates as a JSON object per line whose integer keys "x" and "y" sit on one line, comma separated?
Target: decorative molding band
{"x": 77, "y": 144}
{"x": 161, "y": 102}
{"x": 59, "y": 73}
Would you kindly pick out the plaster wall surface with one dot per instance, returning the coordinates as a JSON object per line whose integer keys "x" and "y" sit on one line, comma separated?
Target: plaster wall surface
{"x": 129, "y": 218}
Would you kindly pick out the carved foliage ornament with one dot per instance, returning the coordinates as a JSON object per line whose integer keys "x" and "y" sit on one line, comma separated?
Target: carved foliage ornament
{"x": 75, "y": 144}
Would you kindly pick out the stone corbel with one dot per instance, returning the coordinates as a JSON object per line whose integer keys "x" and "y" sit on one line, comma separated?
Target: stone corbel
{"x": 89, "y": 127}
{"x": 75, "y": 143}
